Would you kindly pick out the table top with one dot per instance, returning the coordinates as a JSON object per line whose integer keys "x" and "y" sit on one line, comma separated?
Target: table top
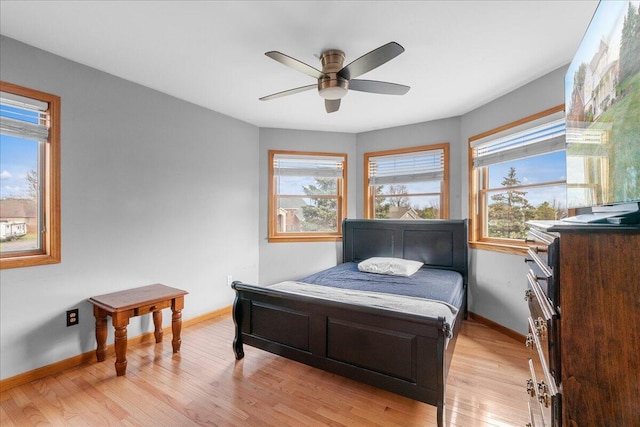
{"x": 131, "y": 298}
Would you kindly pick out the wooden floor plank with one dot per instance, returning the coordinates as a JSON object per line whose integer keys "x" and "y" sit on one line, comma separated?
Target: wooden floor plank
{"x": 205, "y": 385}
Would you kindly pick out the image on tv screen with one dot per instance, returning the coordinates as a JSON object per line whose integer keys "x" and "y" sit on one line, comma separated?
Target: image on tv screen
{"x": 602, "y": 102}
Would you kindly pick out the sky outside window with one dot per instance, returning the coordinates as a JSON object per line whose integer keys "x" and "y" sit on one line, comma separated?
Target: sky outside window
{"x": 18, "y": 156}
{"x": 534, "y": 170}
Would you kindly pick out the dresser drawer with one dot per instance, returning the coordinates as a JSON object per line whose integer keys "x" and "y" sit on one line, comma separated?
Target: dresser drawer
{"x": 539, "y": 415}
{"x": 542, "y": 272}
{"x": 543, "y": 259}
{"x": 541, "y": 386}
{"x": 544, "y": 325}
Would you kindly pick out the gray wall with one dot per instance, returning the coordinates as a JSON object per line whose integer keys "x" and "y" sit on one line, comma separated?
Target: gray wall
{"x": 154, "y": 190}
{"x": 289, "y": 261}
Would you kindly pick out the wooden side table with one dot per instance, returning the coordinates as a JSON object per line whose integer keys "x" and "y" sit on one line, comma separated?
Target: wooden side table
{"x": 123, "y": 305}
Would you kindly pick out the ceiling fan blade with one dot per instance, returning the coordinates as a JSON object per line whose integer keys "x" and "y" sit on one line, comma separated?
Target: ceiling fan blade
{"x": 371, "y": 60}
{"x": 289, "y": 92}
{"x": 331, "y": 105}
{"x": 295, "y": 64}
{"x": 374, "y": 86}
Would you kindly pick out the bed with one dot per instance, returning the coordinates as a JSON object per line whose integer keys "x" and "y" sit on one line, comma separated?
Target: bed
{"x": 403, "y": 344}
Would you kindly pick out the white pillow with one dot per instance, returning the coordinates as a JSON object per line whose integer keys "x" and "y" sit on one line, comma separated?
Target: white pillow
{"x": 391, "y": 266}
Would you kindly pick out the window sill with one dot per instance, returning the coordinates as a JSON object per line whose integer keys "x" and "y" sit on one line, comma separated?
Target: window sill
{"x": 303, "y": 239}
{"x": 28, "y": 261}
{"x": 507, "y": 248}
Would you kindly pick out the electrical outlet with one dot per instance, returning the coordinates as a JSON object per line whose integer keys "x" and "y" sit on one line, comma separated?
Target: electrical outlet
{"x": 72, "y": 317}
{"x": 229, "y": 280}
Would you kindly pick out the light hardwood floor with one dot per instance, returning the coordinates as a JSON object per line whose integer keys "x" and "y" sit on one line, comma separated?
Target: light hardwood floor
{"x": 204, "y": 385}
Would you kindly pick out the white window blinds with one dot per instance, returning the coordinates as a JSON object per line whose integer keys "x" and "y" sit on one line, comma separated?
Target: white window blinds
{"x": 23, "y": 117}
{"x": 535, "y": 138}
{"x": 315, "y": 166}
{"x": 407, "y": 168}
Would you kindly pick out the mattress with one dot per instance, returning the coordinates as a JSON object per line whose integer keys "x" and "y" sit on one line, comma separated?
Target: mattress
{"x": 429, "y": 283}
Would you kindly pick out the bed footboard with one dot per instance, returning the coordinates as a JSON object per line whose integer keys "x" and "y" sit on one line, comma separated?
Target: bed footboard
{"x": 398, "y": 352}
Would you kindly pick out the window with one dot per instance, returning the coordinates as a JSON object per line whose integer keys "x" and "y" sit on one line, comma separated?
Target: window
{"x": 307, "y": 200}
{"x": 411, "y": 183}
{"x": 518, "y": 174}
{"x": 30, "y": 177}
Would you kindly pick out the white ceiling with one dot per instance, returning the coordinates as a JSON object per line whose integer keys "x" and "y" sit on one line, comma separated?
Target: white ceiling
{"x": 459, "y": 54}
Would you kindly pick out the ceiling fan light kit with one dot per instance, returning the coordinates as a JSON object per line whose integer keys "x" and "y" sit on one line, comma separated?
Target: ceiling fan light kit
{"x": 333, "y": 89}
{"x": 334, "y": 81}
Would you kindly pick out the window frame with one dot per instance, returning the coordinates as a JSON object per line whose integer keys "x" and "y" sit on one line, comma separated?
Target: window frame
{"x": 275, "y": 236}
{"x": 369, "y": 203}
{"x": 477, "y": 211}
{"x": 50, "y": 251}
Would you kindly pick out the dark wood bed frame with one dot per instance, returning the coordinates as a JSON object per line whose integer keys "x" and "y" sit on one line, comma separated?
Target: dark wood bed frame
{"x": 403, "y": 353}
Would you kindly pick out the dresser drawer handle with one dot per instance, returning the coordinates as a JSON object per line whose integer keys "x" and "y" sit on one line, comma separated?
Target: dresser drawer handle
{"x": 531, "y": 390}
{"x": 529, "y": 260}
{"x": 544, "y": 398}
{"x": 529, "y": 340}
{"x": 528, "y": 294}
{"x": 542, "y": 388}
{"x": 541, "y": 326}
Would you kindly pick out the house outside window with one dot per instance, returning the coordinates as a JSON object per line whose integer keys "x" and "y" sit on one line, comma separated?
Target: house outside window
{"x": 30, "y": 177}
{"x": 409, "y": 183}
{"x": 517, "y": 174}
{"x": 307, "y": 196}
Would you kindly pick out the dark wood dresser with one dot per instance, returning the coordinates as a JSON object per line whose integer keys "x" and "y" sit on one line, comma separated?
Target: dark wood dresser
{"x": 583, "y": 291}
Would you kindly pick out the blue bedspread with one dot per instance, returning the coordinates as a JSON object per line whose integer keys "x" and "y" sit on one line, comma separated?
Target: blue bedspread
{"x": 431, "y": 283}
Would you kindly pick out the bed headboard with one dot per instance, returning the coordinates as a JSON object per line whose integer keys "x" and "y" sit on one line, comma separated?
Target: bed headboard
{"x": 438, "y": 243}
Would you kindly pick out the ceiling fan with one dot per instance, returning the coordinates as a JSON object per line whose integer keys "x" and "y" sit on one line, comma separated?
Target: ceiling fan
{"x": 334, "y": 81}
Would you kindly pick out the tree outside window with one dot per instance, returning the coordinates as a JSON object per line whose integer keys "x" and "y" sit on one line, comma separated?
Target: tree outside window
{"x": 510, "y": 209}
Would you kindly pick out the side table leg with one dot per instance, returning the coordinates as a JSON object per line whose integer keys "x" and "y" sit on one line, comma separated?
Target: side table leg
{"x": 101, "y": 333}
{"x": 176, "y": 328}
{"x": 120, "y": 343}
{"x": 157, "y": 323}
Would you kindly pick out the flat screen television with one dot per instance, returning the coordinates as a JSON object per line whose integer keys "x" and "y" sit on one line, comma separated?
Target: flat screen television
{"x": 602, "y": 103}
